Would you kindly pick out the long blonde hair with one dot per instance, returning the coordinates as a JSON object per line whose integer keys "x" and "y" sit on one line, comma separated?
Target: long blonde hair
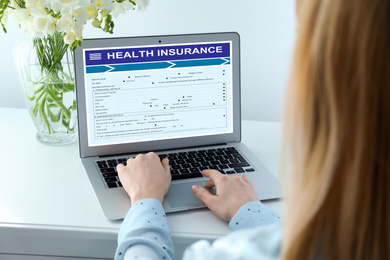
{"x": 337, "y": 132}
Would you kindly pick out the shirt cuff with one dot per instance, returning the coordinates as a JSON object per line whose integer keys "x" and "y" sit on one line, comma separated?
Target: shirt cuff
{"x": 253, "y": 214}
{"x": 145, "y": 213}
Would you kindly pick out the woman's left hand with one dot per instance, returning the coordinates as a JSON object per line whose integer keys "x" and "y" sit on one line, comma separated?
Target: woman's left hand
{"x": 145, "y": 177}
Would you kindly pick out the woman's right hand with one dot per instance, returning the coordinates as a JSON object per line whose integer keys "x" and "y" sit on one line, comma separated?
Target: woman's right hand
{"x": 232, "y": 192}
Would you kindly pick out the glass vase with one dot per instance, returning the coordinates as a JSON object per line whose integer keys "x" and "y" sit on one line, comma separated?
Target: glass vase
{"x": 46, "y": 73}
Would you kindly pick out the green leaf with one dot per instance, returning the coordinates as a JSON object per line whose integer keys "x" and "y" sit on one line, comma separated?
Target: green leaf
{"x": 65, "y": 121}
{"x": 66, "y": 112}
{"x": 31, "y": 98}
{"x": 68, "y": 87}
{"x": 35, "y": 109}
{"x": 36, "y": 91}
{"x": 54, "y": 117}
{"x": 43, "y": 115}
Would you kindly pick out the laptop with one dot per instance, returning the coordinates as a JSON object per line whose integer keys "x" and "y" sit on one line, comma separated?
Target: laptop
{"x": 176, "y": 95}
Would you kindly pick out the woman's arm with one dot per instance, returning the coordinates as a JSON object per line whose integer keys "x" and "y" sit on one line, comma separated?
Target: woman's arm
{"x": 144, "y": 233}
{"x": 252, "y": 215}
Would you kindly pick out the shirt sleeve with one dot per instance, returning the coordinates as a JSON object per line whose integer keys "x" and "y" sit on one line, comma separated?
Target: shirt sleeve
{"x": 263, "y": 242}
{"x": 144, "y": 233}
{"x": 253, "y": 214}
{"x": 257, "y": 234}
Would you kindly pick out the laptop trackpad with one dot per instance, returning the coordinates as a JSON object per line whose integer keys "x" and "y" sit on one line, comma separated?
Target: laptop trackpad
{"x": 181, "y": 195}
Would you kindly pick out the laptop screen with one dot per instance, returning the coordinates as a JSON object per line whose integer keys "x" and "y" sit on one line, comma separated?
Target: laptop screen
{"x": 143, "y": 93}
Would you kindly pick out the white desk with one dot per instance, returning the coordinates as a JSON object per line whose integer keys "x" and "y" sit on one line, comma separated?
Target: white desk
{"x": 48, "y": 207}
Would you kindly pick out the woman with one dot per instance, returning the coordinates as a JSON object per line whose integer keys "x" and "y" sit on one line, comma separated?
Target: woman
{"x": 337, "y": 136}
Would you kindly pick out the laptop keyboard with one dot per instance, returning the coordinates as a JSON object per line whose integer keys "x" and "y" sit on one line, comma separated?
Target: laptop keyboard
{"x": 185, "y": 165}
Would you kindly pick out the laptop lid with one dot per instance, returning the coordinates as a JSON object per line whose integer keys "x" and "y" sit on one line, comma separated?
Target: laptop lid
{"x": 138, "y": 94}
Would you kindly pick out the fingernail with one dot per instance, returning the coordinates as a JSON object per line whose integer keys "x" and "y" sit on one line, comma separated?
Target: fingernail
{"x": 195, "y": 188}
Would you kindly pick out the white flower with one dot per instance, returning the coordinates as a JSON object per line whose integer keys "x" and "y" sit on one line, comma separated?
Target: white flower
{"x": 19, "y": 15}
{"x": 121, "y": 8}
{"x": 80, "y": 13}
{"x": 69, "y": 38}
{"x": 77, "y": 29}
{"x": 142, "y": 4}
{"x": 62, "y": 6}
{"x": 72, "y": 28}
{"x": 103, "y": 4}
{"x": 92, "y": 11}
{"x": 44, "y": 24}
{"x": 64, "y": 24}
{"x": 39, "y": 24}
{"x": 34, "y": 4}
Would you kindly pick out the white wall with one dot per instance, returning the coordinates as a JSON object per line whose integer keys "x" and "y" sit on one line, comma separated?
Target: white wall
{"x": 267, "y": 29}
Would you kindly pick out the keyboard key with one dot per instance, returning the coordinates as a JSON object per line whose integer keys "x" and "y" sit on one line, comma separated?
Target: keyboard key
{"x": 235, "y": 165}
{"x": 186, "y": 166}
{"x": 223, "y": 166}
{"x": 205, "y": 163}
{"x": 234, "y": 160}
{"x": 224, "y": 161}
{"x": 186, "y": 176}
{"x": 107, "y": 170}
{"x": 112, "y": 164}
{"x": 239, "y": 170}
{"x": 215, "y": 163}
{"x": 174, "y": 172}
{"x": 218, "y": 158}
{"x": 241, "y": 159}
{"x": 194, "y": 170}
{"x": 111, "y": 179}
{"x": 162, "y": 156}
{"x": 102, "y": 164}
{"x": 180, "y": 161}
{"x": 112, "y": 185}
{"x": 231, "y": 152}
{"x": 111, "y": 174}
{"x": 190, "y": 161}
{"x": 172, "y": 157}
{"x": 250, "y": 170}
{"x": 200, "y": 159}
{"x": 195, "y": 164}
{"x": 184, "y": 171}
{"x": 175, "y": 167}
{"x": 230, "y": 172}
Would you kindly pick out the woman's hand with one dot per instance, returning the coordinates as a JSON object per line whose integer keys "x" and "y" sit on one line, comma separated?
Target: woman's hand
{"x": 232, "y": 193}
{"x": 145, "y": 177}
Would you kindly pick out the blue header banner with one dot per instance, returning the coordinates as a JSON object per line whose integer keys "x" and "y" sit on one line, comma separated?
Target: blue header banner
{"x": 160, "y": 53}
